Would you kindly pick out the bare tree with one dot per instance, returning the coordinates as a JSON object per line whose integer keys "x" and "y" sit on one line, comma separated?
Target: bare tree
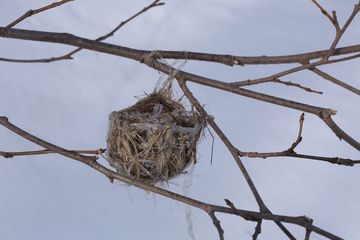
{"x": 154, "y": 59}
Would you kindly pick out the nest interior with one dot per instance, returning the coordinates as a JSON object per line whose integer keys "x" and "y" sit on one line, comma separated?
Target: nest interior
{"x": 153, "y": 140}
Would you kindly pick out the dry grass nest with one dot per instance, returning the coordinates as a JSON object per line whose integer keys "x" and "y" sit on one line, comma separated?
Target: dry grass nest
{"x": 153, "y": 140}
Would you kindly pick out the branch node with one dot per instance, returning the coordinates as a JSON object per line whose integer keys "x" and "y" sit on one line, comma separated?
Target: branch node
{"x": 7, "y": 155}
{"x": 230, "y": 204}
{"x": 4, "y": 119}
{"x": 111, "y": 179}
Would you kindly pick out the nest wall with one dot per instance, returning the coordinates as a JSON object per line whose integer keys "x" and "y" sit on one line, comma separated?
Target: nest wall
{"x": 153, "y": 140}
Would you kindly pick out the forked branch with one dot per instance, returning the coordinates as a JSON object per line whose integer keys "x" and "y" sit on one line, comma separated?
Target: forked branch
{"x": 290, "y": 152}
{"x": 210, "y": 209}
{"x": 153, "y": 59}
{"x": 31, "y": 13}
{"x": 69, "y": 55}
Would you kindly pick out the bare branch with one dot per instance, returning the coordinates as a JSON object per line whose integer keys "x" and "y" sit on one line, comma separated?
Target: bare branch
{"x": 333, "y": 18}
{"x": 299, "y": 137}
{"x": 233, "y": 151}
{"x": 217, "y": 58}
{"x": 153, "y": 60}
{"x": 208, "y": 208}
{"x": 303, "y": 221}
{"x": 308, "y": 65}
{"x": 334, "y": 80}
{"x": 293, "y": 70}
{"x": 257, "y": 230}
{"x": 290, "y": 152}
{"x": 31, "y": 13}
{"x": 138, "y": 55}
{"x": 289, "y": 83}
{"x": 340, "y": 32}
{"x": 46, "y": 151}
{"x": 68, "y": 56}
{"x": 155, "y": 3}
{"x": 322, "y": 113}
{"x": 308, "y": 231}
{"x": 4, "y": 121}
{"x": 334, "y": 21}
{"x": 334, "y": 160}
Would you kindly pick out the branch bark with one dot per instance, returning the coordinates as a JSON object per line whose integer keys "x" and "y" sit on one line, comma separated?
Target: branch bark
{"x": 226, "y": 59}
{"x": 141, "y": 56}
{"x": 210, "y": 209}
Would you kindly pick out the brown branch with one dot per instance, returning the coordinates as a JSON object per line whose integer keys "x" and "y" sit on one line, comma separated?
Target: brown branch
{"x": 340, "y": 32}
{"x": 5, "y": 122}
{"x": 258, "y": 225}
{"x": 208, "y": 208}
{"x": 334, "y": 21}
{"x": 217, "y": 58}
{"x": 299, "y": 137}
{"x": 338, "y": 131}
{"x": 69, "y": 55}
{"x": 333, "y": 18}
{"x": 224, "y": 139}
{"x": 47, "y": 151}
{"x": 217, "y": 225}
{"x": 290, "y": 152}
{"x": 308, "y": 231}
{"x": 289, "y": 83}
{"x": 257, "y": 230}
{"x": 263, "y": 208}
{"x": 303, "y": 221}
{"x": 138, "y": 55}
{"x": 293, "y": 70}
{"x": 323, "y": 61}
{"x": 334, "y": 80}
{"x": 334, "y": 160}
{"x": 322, "y": 113}
{"x": 142, "y": 56}
{"x": 155, "y": 3}
{"x": 31, "y": 13}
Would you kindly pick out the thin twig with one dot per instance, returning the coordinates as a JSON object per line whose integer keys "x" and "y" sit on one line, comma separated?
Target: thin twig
{"x": 289, "y": 83}
{"x": 31, "y": 13}
{"x": 340, "y": 32}
{"x": 5, "y": 122}
{"x": 46, "y": 151}
{"x": 290, "y": 152}
{"x": 69, "y": 55}
{"x": 323, "y": 113}
{"x": 308, "y": 65}
{"x": 333, "y": 160}
{"x": 292, "y": 70}
{"x": 334, "y": 21}
{"x": 335, "y": 80}
{"x": 333, "y": 18}
{"x": 299, "y": 137}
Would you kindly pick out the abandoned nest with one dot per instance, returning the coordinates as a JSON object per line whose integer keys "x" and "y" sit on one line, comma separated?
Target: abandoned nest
{"x": 153, "y": 140}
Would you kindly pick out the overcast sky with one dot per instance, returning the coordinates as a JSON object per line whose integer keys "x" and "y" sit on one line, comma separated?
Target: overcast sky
{"x": 68, "y": 103}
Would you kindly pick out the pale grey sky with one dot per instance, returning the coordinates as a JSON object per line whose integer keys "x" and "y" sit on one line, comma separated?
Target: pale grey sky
{"x": 67, "y": 103}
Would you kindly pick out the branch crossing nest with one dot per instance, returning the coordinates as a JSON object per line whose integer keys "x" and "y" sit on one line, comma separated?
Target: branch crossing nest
{"x": 153, "y": 140}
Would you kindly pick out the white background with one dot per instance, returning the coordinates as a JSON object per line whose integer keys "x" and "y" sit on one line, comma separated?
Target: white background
{"x": 68, "y": 102}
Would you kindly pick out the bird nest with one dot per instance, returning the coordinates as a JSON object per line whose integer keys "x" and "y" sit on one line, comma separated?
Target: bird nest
{"x": 153, "y": 140}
